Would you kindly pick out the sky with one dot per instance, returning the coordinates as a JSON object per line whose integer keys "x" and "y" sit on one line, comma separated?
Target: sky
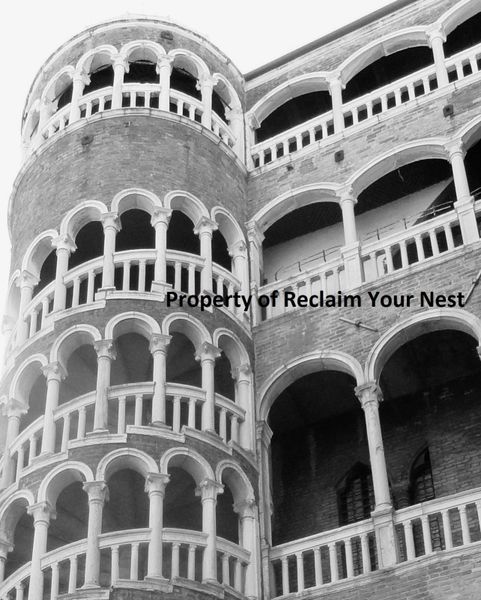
{"x": 250, "y": 32}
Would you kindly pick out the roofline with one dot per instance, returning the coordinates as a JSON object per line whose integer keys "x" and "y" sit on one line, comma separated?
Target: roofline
{"x": 344, "y": 30}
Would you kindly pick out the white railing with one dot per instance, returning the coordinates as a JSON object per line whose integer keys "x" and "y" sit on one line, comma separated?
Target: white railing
{"x": 464, "y": 63}
{"x": 234, "y": 561}
{"x": 327, "y": 557}
{"x": 440, "y": 524}
{"x": 26, "y": 447}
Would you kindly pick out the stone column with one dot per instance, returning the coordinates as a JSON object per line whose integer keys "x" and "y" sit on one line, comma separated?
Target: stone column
{"x": 255, "y": 238}
{"x": 155, "y": 487}
{"x": 208, "y": 490}
{"x": 97, "y": 495}
{"x": 64, "y": 246}
{"x": 26, "y": 282}
{"x": 263, "y": 439}
{"x": 206, "y": 86}
{"x": 5, "y": 548}
{"x": 41, "y": 512}
{"x": 235, "y": 117}
{"x": 164, "y": 69}
{"x": 204, "y": 229}
{"x": 464, "y": 204}
{"x": 80, "y": 80}
{"x": 105, "y": 355}
{"x": 249, "y": 539}
{"x": 111, "y": 225}
{"x": 370, "y": 396}
{"x": 436, "y": 40}
{"x": 14, "y": 411}
{"x": 243, "y": 379}
{"x": 120, "y": 68}
{"x": 240, "y": 265}
{"x": 207, "y": 355}
{"x": 335, "y": 89}
{"x": 158, "y": 348}
{"x": 351, "y": 251}
{"x": 160, "y": 222}
{"x": 54, "y": 373}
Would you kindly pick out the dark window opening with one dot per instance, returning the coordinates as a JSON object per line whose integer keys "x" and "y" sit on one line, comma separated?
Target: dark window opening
{"x": 180, "y": 234}
{"x": 181, "y": 366}
{"x": 89, "y": 242}
{"x": 47, "y": 272}
{"x": 220, "y": 251}
{"x": 356, "y": 497}
{"x": 141, "y": 71}
{"x": 128, "y": 504}
{"x": 224, "y": 383}
{"x": 65, "y": 97}
{"x": 184, "y": 82}
{"x": 472, "y": 161}
{"x": 294, "y": 112}
{"x": 182, "y": 508}
{"x": 421, "y": 485}
{"x": 100, "y": 78}
{"x": 137, "y": 231}
{"x": 386, "y": 70}
{"x": 464, "y": 36}
{"x": 226, "y": 519}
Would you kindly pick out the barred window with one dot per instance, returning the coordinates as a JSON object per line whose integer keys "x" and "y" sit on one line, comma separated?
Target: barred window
{"x": 356, "y": 496}
{"x": 421, "y": 486}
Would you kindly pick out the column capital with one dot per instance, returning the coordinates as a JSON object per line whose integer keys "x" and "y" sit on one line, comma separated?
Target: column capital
{"x": 41, "y": 512}
{"x": 164, "y": 61}
{"x": 205, "y": 225}
{"x": 80, "y": 77}
{"x": 155, "y": 483}
{"x": 245, "y": 508}
{"x": 208, "y": 489}
{"x": 242, "y": 372}
{"x": 119, "y": 61}
{"x": 54, "y": 371}
{"x": 455, "y": 148}
{"x": 12, "y": 407}
{"x": 205, "y": 81}
{"x": 346, "y": 194}
{"x": 207, "y": 351}
{"x": 105, "y": 349}
{"x": 334, "y": 80}
{"x": 253, "y": 121}
{"x": 264, "y": 432}
{"x": 27, "y": 279}
{"x": 159, "y": 342}
{"x": 161, "y": 215}
{"x": 64, "y": 242}
{"x": 111, "y": 220}
{"x": 254, "y": 234}
{"x": 435, "y": 31}
{"x": 97, "y": 491}
{"x": 368, "y": 394}
{"x": 5, "y": 547}
{"x": 239, "y": 248}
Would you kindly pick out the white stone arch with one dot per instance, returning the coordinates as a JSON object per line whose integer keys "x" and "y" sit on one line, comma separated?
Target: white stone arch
{"x": 236, "y": 480}
{"x": 25, "y": 376}
{"x": 142, "y": 50}
{"x": 226, "y": 91}
{"x": 94, "y": 58}
{"x": 57, "y": 84}
{"x": 71, "y": 339}
{"x": 231, "y": 345}
{"x": 457, "y": 14}
{"x": 13, "y": 299}
{"x": 135, "y": 198}
{"x": 131, "y": 322}
{"x": 188, "y": 325}
{"x": 291, "y": 371}
{"x": 187, "y": 203}
{"x": 228, "y": 226}
{"x": 60, "y": 477}
{"x": 31, "y": 121}
{"x": 189, "y": 460}
{"x": 408, "y": 329}
{"x": 190, "y": 62}
{"x": 389, "y": 44}
{"x": 37, "y": 252}
{"x": 395, "y": 158}
{"x": 11, "y": 511}
{"x": 469, "y": 134}
{"x": 125, "y": 458}
{"x": 297, "y": 86}
{"x": 80, "y": 215}
{"x": 292, "y": 199}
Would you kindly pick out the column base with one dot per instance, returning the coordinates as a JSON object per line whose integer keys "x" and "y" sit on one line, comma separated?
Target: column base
{"x": 160, "y": 425}
{"x": 161, "y": 288}
{"x": 97, "y": 433}
{"x": 385, "y": 536}
{"x": 467, "y": 219}
{"x": 159, "y": 583}
{"x": 103, "y": 293}
{"x": 351, "y": 255}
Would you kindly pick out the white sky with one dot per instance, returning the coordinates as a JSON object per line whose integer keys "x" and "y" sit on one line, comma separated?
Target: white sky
{"x": 250, "y": 32}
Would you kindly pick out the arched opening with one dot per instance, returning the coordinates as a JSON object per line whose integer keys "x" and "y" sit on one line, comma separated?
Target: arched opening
{"x": 472, "y": 160}
{"x": 222, "y": 100}
{"x": 302, "y": 238}
{"x": 134, "y": 360}
{"x": 71, "y": 521}
{"x": 141, "y": 71}
{"x": 464, "y": 36}
{"x": 81, "y": 377}
{"x": 47, "y": 272}
{"x": 64, "y": 97}
{"x": 100, "y": 77}
{"x": 182, "y": 506}
{"x": 387, "y": 69}
{"x": 181, "y": 364}
{"x": 224, "y": 382}
{"x": 136, "y": 231}
{"x": 36, "y": 400}
{"x": 220, "y": 251}
{"x": 294, "y": 112}
{"x": 180, "y": 234}
{"x": 89, "y": 242}
{"x": 19, "y": 527}
{"x": 227, "y": 520}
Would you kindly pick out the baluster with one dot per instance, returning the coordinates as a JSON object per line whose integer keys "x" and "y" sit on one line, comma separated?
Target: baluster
{"x": 191, "y": 562}
{"x": 141, "y": 286}
{"x": 262, "y": 158}
{"x": 134, "y": 561}
{"x": 234, "y": 429}
{"x": 318, "y": 567}
{"x": 238, "y": 575}
{"x": 285, "y": 147}
{"x": 72, "y": 575}
{"x": 300, "y": 571}
{"x": 114, "y": 564}
{"x": 384, "y": 103}
{"x": 223, "y": 424}
{"x": 33, "y": 449}
{"x": 308, "y": 283}
{"x": 408, "y": 534}
{"x": 176, "y": 414}
{"x": 389, "y": 262}
{"x": 225, "y": 569}
{"x": 369, "y": 108}
{"x": 177, "y": 275}
{"x": 219, "y": 285}
{"x": 88, "y": 108}
{"x": 434, "y": 242}
{"x": 133, "y": 98}
{"x": 19, "y": 592}
{"x": 285, "y": 575}
{"x": 373, "y": 261}
{"x": 101, "y": 103}
{"x": 448, "y": 536}
{"x": 54, "y": 582}
{"x": 397, "y": 96}
{"x": 349, "y": 561}
{"x": 404, "y": 254}
{"x": 333, "y": 562}
{"x": 121, "y": 415}
{"x": 81, "y": 423}
{"x": 20, "y": 460}
{"x": 464, "y": 524}
{"x": 323, "y": 282}
{"x": 473, "y": 63}
{"x": 65, "y": 433}
{"x": 355, "y": 115}
{"x": 138, "y": 410}
{"x": 428, "y": 546}
{"x": 366, "y": 557}
{"x": 175, "y": 560}
{"x": 33, "y": 322}
{"x": 191, "y": 289}
{"x": 76, "y": 292}
{"x": 147, "y": 99}
{"x": 126, "y": 276}
{"x": 180, "y": 107}
{"x": 90, "y": 286}
{"x": 337, "y": 278}
{"x": 191, "y": 416}
{"x": 419, "y": 247}
{"x": 45, "y": 304}
{"x": 410, "y": 88}
{"x": 192, "y": 112}
{"x": 459, "y": 69}
{"x": 449, "y": 236}
{"x": 425, "y": 84}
